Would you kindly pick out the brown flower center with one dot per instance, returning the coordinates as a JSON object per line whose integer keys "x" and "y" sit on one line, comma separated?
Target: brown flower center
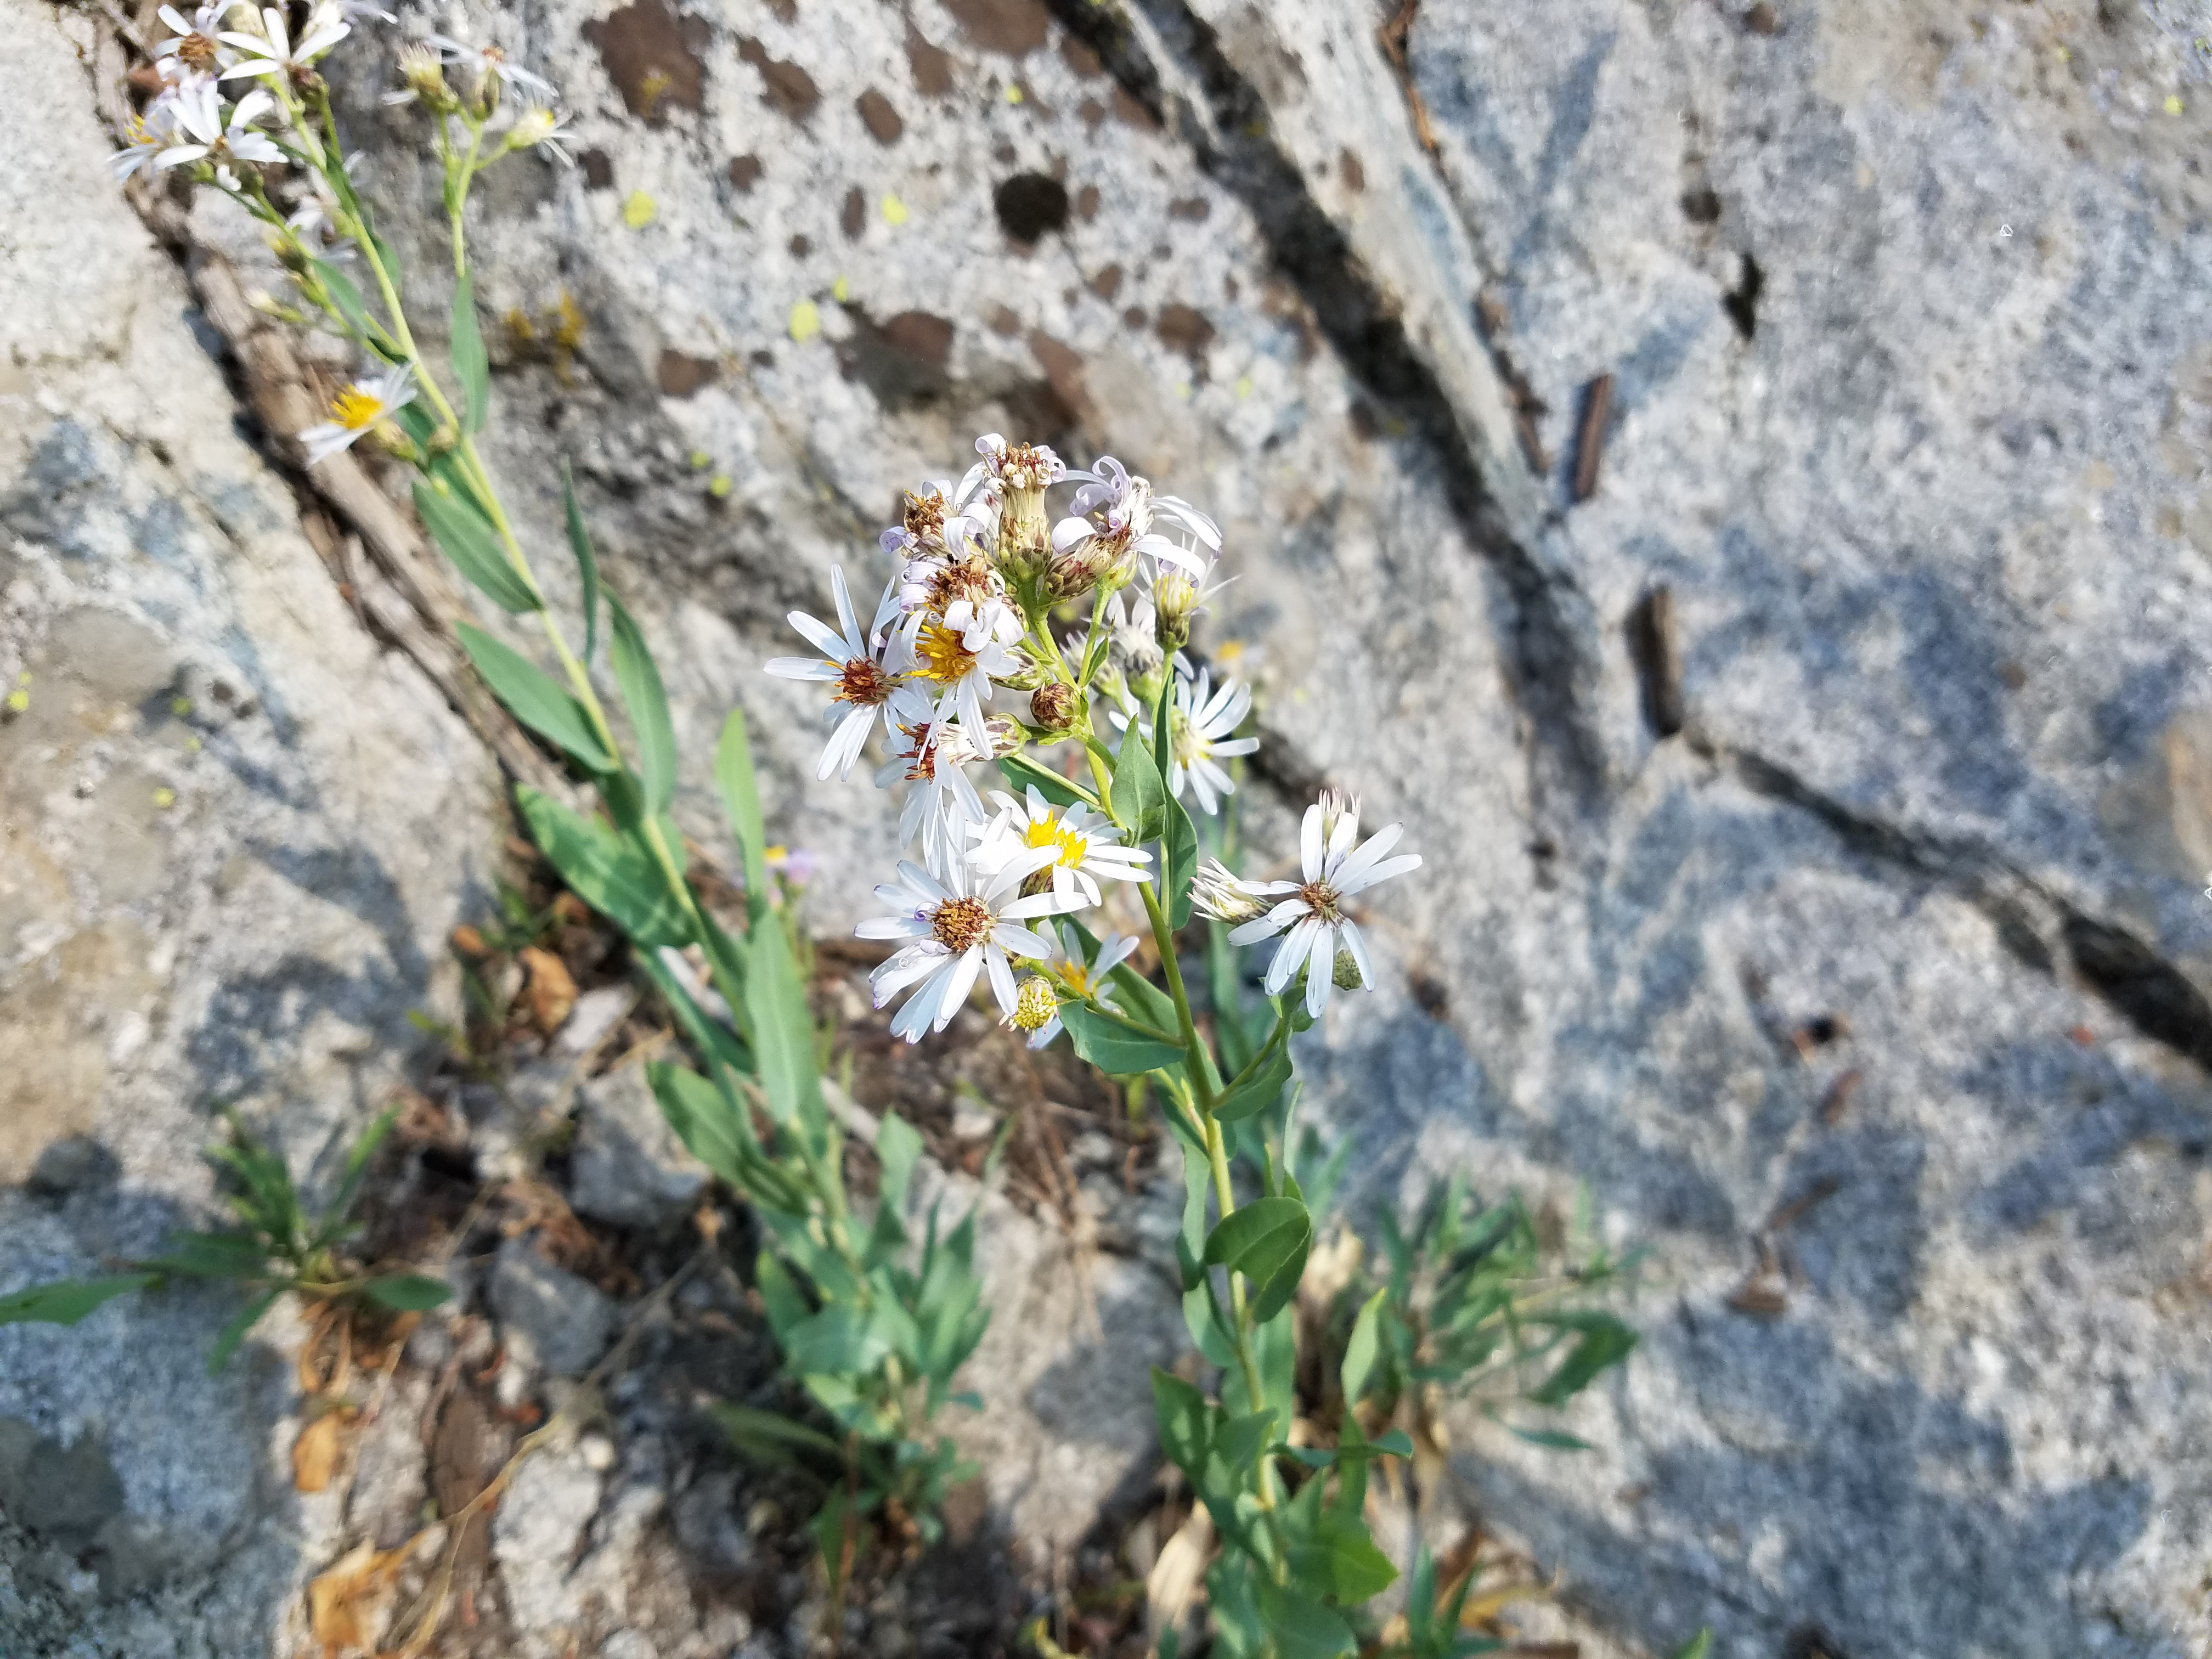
{"x": 921, "y": 764}
{"x": 1024, "y": 466}
{"x": 197, "y": 51}
{"x": 969, "y": 580}
{"x": 1321, "y": 898}
{"x": 863, "y": 682}
{"x": 925, "y": 516}
{"x": 961, "y": 924}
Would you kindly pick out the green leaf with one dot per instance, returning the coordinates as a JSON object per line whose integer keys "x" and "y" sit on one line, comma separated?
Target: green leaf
{"x": 614, "y": 877}
{"x": 1185, "y": 1422}
{"x": 1697, "y": 1647}
{"x": 1604, "y": 1342}
{"x": 1397, "y": 1441}
{"x": 472, "y": 544}
{"x": 1022, "y": 772}
{"x": 1337, "y": 1558}
{"x": 704, "y": 1121}
{"x": 1178, "y": 861}
{"x": 779, "y": 1023}
{"x": 532, "y": 697}
{"x": 768, "y": 1437}
{"x": 234, "y": 1333}
{"x": 1239, "y": 1441}
{"x": 1114, "y": 1046}
{"x": 214, "y": 1255}
{"x": 1250, "y": 1096}
{"x": 1301, "y": 1626}
{"x": 1275, "y": 1295}
{"x": 470, "y": 367}
{"x": 1549, "y": 1439}
{"x": 408, "y": 1292}
{"x": 1359, "y": 1352}
{"x": 587, "y": 563}
{"x": 733, "y": 772}
{"x": 1208, "y": 1327}
{"x": 67, "y": 1300}
{"x": 356, "y": 1167}
{"x": 1260, "y": 1239}
{"x": 647, "y": 702}
{"x": 898, "y": 1146}
{"x": 838, "y": 1340}
{"x": 786, "y": 1307}
{"x": 347, "y": 298}
{"x": 1139, "y": 799}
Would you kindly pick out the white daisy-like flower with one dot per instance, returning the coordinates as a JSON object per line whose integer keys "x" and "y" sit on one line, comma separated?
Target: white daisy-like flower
{"x": 956, "y": 653}
{"x": 964, "y": 923}
{"x": 269, "y": 51}
{"x": 1038, "y": 1011}
{"x": 1115, "y": 515}
{"x": 197, "y": 47}
{"x": 855, "y": 664}
{"x": 490, "y": 62}
{"x": 357, "y": 410}
{"x": 199, "y": 119}
{"x": 1085, "y": 845}
{"x": 144, "y": 139}
{"x": 1312, "y": 918}
{"x": 540, "y": 127}
{"x": 1202, "y": 728}
{"x": 933, "y": 755}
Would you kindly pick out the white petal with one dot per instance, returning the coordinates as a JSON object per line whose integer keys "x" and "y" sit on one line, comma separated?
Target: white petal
{"x": 958, "y": 982}
{"x": 1292, "y": 952}
{"x": 823, "y": 639}
{"x": 1381, "y": 872}
{"x": 1348, "y": 934}
{"x": 893, "y": 927}
{"x": 1377, "y": 844}
{"x": 804, "y": 668}
{"x": 1020, "y": 941}
{"x": 1002, "y": 980}
{"x": 1320, "y": 976}
{"x": 1309, "y": 846}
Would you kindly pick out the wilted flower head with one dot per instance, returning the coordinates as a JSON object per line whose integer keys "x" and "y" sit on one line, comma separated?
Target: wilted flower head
{"x": 491, "y": 69}
{"x": 1215, "y": 892}
{"x": 539, "y": 128}
{"x": 1113, "y": 523}
{"x": 423, "y": 80}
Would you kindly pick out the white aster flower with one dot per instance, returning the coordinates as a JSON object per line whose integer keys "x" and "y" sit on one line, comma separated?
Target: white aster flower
{"x": 197, "y": 47}
{"x": 1084, "y": 843}
{"x": 933, "y": 755}
{"x": 145, "y": 138}
{"x": 357, "y": 410}
{"x": 957, "y": 653}
{"x": 1114, "y": 517}
{"x": 1079, "y": 978}
{"x": 199, "y": 115}
{"x": 490, "y": 64}
{"x": 268, "y": 51}
{"x": 539, "y": 128}
{"x": 855, "y": 666}
{"x": 963, "y": 923}
{"x": 1202, "y": 727}
{"x": 1335, "y": 870}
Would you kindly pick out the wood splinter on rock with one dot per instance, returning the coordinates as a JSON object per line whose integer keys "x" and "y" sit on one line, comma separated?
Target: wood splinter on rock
{"x": 1656, "y": 646}
{"x": 1589, "y": 442}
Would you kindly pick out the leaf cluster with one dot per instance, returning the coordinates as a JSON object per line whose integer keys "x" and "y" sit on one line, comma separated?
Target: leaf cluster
{"x": 276, "y": 1246}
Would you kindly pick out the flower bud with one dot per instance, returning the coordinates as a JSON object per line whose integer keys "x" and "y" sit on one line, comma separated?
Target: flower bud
{"x": 1052, "y": 706}
{"x": 1094, "y": 562}
{"x": 1174, "y": 597}
{"x": 1214, "y": 892}
{"x": 1347, "y": 974}
{"x": 1035, "y": 1004}
{"x": 425, "y": 77}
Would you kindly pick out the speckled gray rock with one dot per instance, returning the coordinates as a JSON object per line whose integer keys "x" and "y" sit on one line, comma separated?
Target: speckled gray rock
{"x": 233, "y": 834}
{"x": 551, "y": 1320}
{"x": 627, "y": 1165}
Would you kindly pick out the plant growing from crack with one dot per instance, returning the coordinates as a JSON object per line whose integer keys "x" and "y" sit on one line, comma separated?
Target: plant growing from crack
{"x": 1052, "y": 646}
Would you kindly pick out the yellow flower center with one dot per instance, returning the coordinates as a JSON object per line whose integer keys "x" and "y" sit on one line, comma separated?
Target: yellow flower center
{"x": 1035, "y": 1005}
{"x": 1054, "y": 832}
{"x": 355, "y": 409}
{"x": 944, "y": 658}
{"x": 961, "y": 924}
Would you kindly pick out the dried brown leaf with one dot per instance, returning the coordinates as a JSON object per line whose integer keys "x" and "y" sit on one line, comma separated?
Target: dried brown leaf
{"x": 345, "y": 1602}
{"x": 315, "y": 1453}
{"x": 552, "y": 991}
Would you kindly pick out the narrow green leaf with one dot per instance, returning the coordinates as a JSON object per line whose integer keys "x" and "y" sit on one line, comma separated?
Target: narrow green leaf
{"x": 1022, "y": 772}
{"x": 704, "y": 1121}
{"x": 779, "y": 1023}
{"x": 1397, "y": 1441}
{"x": 1697, "y": 1647}
{"x": 1302, "y": 1628}
{"x": 1139, "y": 799}
{"x": 768, "y": 1437}
{"x": 1208, "y": 1326}
{"x": 532, "y": 697}
{"x": 898, "y": 1146}
{"x": 350, "y": 306}
{"x": 614, "y": 877}
{"x": 1239, "y": 1441}
{"x": 1260, "y": 1238}
{"x": 356, "y": 1165}
{"x": 836, "y": 1341}
{"x": 587, "y": 561}
{"x": 1115, "y": 1047}
{"x": 786, "y": 1307}
{"x": 408, "y": 1292}
{"x": 472, "y": 544}
{"x": 733, "y": 772}
{"x": 1604, "y": 1342}
{"x": 214, "y": 1255}
{"x": 1178, "y": 861}
{"x": 1359, "y": 1352}
{"x": 470, "y": 367}
{"x": 1275, "y": 1294}
{"x": 1549, "y": 1439}
{"x": 68, "y": 1300}
{"x": 234, "y": 1333}
{"x": 1185, "y": 1421}
{"x": 1250, "y": 1096}
{"x": 1337, "y": 1558}
{"x": 647, "y": 702}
